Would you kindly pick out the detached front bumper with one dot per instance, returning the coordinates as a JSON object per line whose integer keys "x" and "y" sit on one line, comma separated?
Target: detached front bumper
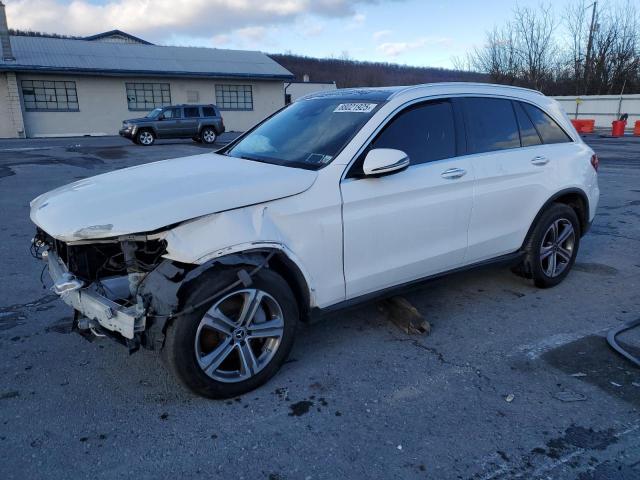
{"x": 110, "y": 315}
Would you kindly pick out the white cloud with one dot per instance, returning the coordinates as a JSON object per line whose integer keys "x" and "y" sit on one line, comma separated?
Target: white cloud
{"x": 395, "y": 49}
{"x": 379, "y": 35}
{"x": 357, "y": 21}
{"x": 159, "y": 19}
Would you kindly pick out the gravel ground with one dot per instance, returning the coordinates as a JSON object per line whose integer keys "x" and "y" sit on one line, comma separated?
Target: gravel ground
{"x": 513, "y": 382}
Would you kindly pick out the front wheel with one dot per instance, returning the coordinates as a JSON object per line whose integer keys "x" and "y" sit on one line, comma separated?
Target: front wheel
{"x": 236, "y": 342}
{"x": 208, "y": 135}
{"x": 145, "y": 138}
{"x": 553, "y": 246}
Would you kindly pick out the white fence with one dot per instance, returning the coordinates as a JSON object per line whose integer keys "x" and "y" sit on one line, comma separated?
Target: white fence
{"x": 604, "y": 109}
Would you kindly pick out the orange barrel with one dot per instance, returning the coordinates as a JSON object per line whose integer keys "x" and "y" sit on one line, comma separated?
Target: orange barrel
{"x": 617, "y": 128}
{"x": 577, "y": 124}
{"x": 636, "y": 128}
{"x": 589, "y": 125}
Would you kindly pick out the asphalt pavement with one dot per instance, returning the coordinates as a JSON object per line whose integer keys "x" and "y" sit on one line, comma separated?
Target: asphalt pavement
{"x": 513, "y": 382}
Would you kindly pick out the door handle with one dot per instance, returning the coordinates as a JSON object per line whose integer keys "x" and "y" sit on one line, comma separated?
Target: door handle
{"x": 539, "y": 160}
{"x": 453, "y": 173}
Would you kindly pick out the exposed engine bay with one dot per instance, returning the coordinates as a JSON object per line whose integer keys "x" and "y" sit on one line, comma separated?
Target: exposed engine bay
{"x": 123, "y": 287}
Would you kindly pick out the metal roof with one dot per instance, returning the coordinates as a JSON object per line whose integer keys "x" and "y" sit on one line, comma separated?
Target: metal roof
{"x": 90, "y": 57}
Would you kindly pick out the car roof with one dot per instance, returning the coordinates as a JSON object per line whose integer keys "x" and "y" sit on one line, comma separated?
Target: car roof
{"x": 382, "y": 94}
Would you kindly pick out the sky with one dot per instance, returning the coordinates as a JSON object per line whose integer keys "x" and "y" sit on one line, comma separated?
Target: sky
{"x": 414, "y": 32}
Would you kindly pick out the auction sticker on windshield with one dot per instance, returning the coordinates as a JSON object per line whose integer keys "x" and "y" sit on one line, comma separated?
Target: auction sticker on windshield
{"x": 355, "y": 107}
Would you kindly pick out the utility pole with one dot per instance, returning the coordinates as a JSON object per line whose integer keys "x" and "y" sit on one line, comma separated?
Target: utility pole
{"x": 587, "y": 65}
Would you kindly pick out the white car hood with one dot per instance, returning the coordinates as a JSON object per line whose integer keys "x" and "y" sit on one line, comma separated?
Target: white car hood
{"x": 154, "y": 195}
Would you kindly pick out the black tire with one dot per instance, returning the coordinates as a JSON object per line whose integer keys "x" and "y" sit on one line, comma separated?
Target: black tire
{"x": 208, "y": 135}
{"x": 145, "y": 137}
{"x": 536, "y": 267}
{"x": 179, "y": 351}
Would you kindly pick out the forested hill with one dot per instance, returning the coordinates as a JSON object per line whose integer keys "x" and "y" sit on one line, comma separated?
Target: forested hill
{"x": 351, "y": 73}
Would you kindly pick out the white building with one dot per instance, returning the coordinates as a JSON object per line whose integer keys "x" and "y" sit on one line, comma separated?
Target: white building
{"x": 294, "y": 90}
{"x": 68, "y": 87}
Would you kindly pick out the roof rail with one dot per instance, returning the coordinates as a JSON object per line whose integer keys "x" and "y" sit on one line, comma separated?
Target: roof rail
{"x": 475, "y": 84}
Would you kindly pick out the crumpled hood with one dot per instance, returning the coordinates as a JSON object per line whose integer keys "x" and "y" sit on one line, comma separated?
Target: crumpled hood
{"x": 154, "y": 195}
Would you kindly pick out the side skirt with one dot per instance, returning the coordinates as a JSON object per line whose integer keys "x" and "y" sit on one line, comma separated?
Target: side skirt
{"x": 316, "y": 314}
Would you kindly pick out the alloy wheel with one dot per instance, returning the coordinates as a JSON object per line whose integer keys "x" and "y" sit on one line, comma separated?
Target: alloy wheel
{"x": 239, "y": 335}
{"x": 209, "y": 136}
{"x": 146, "y": 138}
{"x": 556, "y": 250}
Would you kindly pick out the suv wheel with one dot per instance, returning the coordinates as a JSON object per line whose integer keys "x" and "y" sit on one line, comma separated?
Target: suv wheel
{"x": 552, "y": 247}
{"x": 208, "y": 135}
{"x": 145, "y": 137}
{"x": 235, "y": 342}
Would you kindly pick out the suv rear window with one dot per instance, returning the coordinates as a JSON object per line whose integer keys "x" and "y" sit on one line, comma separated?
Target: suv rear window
{"x": 491, "y": 124}
{"x": 191, "y": 112}
{"x": 209, "y": 112}
{"x": 549, "y": 130}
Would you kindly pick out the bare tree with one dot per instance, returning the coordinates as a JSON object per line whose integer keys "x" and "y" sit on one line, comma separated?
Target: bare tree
{"x": 596, "y": 51}
{"x": 535, "y": 44}
{"x": 499, "y": 57}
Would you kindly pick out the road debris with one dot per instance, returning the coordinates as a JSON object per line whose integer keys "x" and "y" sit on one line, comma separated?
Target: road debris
{"x": 509, "y": 398}
{"x": 569, "y": 396}
{"x": 404, "y": 316}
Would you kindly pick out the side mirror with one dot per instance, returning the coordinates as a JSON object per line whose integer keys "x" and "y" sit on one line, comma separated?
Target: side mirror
{"x": 382, "y": 161}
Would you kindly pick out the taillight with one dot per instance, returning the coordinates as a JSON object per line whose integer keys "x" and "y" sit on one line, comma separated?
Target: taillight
{"x": 595, "y": 162}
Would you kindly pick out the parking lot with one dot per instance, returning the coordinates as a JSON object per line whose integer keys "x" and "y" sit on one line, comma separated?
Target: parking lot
{"x": 513, "y": 382}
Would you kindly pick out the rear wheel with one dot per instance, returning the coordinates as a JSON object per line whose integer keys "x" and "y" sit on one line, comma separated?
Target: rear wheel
{"x": 145, "y": 138}
{"x": 236, "y": 342}
{"x": 552, "y": 247}
{"x": 208, "y": 135}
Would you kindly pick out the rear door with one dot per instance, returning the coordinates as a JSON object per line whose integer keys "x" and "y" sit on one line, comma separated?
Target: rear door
{"x": 191, "y": 121}
{"x": 413, "y": 223}
{"x": 513, "y": 170}
{"x": 169, "y": 125}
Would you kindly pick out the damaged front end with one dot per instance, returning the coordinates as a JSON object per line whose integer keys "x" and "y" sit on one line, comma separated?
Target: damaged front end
{"x": 124, "y": 288}
{"x": 104, "y": 282}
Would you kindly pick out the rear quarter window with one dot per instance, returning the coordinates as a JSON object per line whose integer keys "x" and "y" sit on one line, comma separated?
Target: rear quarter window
{"x": 549, "y": 130}
{"x": 490, "y": 124}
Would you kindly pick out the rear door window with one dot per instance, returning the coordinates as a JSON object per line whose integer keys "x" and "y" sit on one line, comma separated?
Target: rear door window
{"x": 528, "y": 134}
{"x": 490, "y": 124}
{"x": 425, "y": 132}
{"x": 191, "y": 112}
{"x": 549, "y": 130}
{"x": 209, "y": 111}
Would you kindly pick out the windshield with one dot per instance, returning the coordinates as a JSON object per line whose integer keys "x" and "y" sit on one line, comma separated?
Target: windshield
{"x": 154, "y": 113}
{"x": 307, "y": 134}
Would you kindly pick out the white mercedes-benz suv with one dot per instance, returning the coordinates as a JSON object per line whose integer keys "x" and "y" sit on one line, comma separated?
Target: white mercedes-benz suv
{"x": 341, "y": 196}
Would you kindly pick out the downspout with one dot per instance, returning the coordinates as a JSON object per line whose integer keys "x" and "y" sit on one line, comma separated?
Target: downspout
{"x": 5, "y": 42}
{"x": 285, "y": 92}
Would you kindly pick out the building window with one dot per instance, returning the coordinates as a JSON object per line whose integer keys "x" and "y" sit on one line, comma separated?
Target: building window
{"x": 58, "y": 96}
{"x": 234, "y": 97}
{"x": 193, "y": 96}
{"x": 147, "y": 96}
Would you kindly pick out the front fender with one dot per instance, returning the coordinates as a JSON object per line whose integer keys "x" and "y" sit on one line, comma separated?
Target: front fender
{"x": 243, "y": 230}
